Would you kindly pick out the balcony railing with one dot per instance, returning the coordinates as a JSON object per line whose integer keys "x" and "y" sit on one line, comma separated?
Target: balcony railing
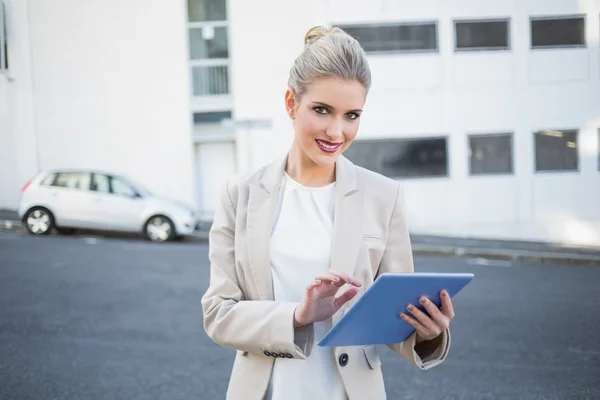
{"x": 210, "y": 77}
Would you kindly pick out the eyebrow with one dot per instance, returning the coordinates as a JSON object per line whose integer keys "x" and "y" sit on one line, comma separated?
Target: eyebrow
{"x": 333, "y": 108}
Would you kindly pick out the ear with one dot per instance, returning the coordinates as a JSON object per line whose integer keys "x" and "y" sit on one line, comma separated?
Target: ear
{"x": 290, "y": 103}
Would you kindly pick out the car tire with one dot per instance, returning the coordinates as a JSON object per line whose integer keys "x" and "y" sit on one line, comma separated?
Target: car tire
{"x": 159, "y": 229}
{"x": 39, "y": 221}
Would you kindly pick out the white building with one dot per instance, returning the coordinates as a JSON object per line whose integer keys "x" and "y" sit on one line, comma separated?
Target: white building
{"x": 489, "y": 111}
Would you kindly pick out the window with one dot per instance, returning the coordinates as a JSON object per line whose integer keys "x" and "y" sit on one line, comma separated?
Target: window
{"x": 208, "y": 42}
{"x": 48, "y": 180}
{"x": 551, "y": 32}
{"x": 402, "y": 158}
{"x": 120, "y": 187}
{"x": 209, "y": 47}
{"x": 72, "y": 180}
{"x": 491, "y": 154}
{"x": 403, "y": 37}
{"x": 207, "y": 10}
{"x": 482, "y": 35}
{"x": 556, "y": 150}
{"x": 3, "y": 38}
{"x": 100, "y": 184}
{"x": 211, "y": 117}
{"x": 598, "y": 149}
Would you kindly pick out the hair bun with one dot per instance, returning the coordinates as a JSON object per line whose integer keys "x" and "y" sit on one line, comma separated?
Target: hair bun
{"x": 315, "y": 33}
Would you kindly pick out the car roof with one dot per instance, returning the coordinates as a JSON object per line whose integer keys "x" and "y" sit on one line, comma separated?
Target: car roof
{"x": 80, "y": 171}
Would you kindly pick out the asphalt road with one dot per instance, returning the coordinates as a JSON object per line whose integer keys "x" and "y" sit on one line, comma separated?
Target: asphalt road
{"x": 120, "y": 319}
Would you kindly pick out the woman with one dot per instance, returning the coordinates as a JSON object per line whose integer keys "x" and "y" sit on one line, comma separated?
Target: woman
{"x": 296, "y": 243}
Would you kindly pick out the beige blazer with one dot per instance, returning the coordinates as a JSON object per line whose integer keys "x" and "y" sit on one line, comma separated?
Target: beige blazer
{"x": 370, "y": 236}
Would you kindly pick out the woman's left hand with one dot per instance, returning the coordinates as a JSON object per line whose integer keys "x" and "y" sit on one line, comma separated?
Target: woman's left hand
{"x": 430, "y": 326}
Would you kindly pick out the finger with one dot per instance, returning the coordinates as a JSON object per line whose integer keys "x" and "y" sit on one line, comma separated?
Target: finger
{"x": 346, "y": 278}
{"x": 345, "y": 297}
{"x": 447, "y": 307}
{"x": 331, "y": 278}
{"x": 431, "y": 308}
{"x": 421, "y": 330}
{"x": 423, "y": 318}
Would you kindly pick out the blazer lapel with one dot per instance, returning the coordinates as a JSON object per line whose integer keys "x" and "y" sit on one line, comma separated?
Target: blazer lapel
{"x": 262, "y": 202}
{"x": 348, "y": 221}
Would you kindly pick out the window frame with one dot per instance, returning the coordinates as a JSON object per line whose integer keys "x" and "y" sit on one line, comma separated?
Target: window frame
{"x": 556, "y": 171}
{"x": 510, "y": 135}
{"x": 557, "y": 17}
{"x": 508, "y": 47}
{"x": 435, "y": 24}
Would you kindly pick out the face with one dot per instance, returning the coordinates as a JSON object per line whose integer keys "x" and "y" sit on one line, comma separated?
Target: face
{"x": 326, "y": 118}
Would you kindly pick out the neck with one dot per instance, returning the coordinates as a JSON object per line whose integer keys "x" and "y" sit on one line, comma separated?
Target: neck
{"x": 301, "y": 168}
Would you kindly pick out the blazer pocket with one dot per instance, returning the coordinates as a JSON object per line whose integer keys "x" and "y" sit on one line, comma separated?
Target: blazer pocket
{"x": 372, "y": 356}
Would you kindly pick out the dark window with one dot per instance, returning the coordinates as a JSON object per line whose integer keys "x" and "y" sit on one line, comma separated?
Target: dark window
{"x": 556, "y": 151}
{"x": 72, "y": 180}
{"x": 207, "y": 10}
{"x": 491, "y": 154}
{"x": 3, "y": 38}
{"x": 208, "y": 42}
{"x": 557, "y": 32}
{"x": 482, "y": 35}
{"x": 402, "y": 158}
{"x": 598, "y": 149}
{"x": 414, "y": 37}
{"x": 211, "y": 117}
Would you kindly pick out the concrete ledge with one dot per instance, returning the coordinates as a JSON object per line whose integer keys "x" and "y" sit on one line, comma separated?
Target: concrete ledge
{"x": 453, "y": 248}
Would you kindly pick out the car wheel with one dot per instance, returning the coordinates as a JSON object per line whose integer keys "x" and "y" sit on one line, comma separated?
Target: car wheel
{"x": 39, "y": 221}
{"x": 159, "y": 229}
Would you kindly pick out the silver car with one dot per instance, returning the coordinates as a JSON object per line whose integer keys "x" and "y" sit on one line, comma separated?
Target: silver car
{"x": 69, "y": 199}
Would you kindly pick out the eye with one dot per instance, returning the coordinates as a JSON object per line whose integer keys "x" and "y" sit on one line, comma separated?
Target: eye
{"x": 352, "y": 116}
{"x": 320, "y": 110}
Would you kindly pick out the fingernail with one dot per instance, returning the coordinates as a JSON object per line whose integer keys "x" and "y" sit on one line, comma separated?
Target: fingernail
{"x": 423, "y": 300}
{"x": 410, "y": 307}
{"x": 403, "y": 316}
{"x": 444, "y": 293}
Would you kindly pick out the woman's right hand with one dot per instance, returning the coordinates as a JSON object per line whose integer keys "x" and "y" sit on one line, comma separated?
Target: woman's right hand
{"x": 320, "y": 301}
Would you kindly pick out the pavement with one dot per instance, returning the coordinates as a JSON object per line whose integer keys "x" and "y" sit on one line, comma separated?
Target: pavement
{"x": 436, "y": 245}
{"x": 111, "y": 318}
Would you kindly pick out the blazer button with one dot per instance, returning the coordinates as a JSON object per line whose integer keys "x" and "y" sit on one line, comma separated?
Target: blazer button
{"x": 343, "y": 359}
{"x": 282, "y": 355}
{"x": 267, "y": 353}
{"x": 288, "y": 355}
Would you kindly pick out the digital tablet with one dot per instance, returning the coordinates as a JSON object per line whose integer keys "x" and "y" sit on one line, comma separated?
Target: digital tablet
{"x": 375, "y": 318}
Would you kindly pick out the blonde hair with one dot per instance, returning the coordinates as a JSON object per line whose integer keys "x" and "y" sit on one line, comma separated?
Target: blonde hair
{"x": 329, "y": 52}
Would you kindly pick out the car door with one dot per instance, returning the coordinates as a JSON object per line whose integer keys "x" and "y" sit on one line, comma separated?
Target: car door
{"x": 119, "y": 205}
{"x": 71, "y": 199}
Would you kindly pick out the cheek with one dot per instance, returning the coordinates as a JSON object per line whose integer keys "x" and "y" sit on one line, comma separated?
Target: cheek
{"x": 309, "y": 126}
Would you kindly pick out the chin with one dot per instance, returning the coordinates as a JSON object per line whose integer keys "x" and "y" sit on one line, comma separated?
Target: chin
{"x": 325, "y": 160}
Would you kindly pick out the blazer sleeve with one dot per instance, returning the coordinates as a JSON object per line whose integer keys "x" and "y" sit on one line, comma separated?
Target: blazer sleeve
{"x": 262, "y": 327}
{"x": 398, "y": 257}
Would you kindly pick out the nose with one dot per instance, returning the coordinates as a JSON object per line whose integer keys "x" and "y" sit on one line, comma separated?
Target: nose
{"x": 335, "y": 130}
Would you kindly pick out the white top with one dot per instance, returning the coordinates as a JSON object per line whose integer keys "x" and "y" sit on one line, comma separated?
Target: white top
{"x": 300, "y": 250}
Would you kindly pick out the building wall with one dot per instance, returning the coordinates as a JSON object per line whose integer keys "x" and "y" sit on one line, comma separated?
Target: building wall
{"x": 109, "y": 87}
{"x": 451, "y": 94}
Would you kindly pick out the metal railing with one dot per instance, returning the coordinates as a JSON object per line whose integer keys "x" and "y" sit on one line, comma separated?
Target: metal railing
{"x": 210, "y": 80}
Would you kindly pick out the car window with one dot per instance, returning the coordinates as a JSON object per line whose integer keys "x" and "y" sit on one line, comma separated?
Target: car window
{"x": 121, "y": 187}
{"x": 100, "y": 184}
{"x": 72, "y": 180}
{"x": 48, "y": 180}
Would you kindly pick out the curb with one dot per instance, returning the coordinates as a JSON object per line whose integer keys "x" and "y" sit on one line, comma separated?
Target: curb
{"x": 507, "y": 254}
{"x": 428, "y": 249}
